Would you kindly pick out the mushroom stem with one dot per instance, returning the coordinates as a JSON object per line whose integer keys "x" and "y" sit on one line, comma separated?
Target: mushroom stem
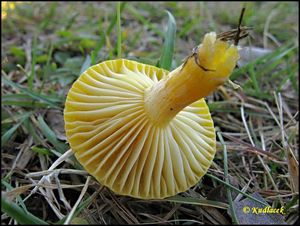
{"x": 209, "y": 66}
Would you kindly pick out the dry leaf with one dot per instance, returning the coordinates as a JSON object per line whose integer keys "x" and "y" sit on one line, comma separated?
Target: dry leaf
{"x": 293, "y": 167}
{"x": 11, "y": 195}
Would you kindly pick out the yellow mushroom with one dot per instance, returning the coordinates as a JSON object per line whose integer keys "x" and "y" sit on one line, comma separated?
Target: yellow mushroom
{"x": 143, "y": 131}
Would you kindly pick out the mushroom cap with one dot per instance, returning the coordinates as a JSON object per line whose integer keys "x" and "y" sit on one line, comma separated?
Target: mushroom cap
{"x": 116, "y": 142}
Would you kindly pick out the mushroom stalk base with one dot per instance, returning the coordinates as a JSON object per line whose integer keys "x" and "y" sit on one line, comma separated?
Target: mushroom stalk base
{"x": 183, "y": 86}
{"x": 209, "y": 66}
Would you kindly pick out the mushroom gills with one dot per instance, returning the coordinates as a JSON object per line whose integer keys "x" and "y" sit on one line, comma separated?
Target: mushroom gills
{"x": 114, "y": 139}
{"x": 143, "y": 131}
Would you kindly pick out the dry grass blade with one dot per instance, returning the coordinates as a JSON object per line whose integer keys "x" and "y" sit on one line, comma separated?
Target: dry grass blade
{"x": 254, "y": 150}
{"x": 228, "y": 191}
{"x": 58, "y": 171}
{"x": 231, "y": 35}
{"x": 84, "y": 189}
{"x": 195, "y": 201}
{"x": 61, "y": 193}
{"x": 236, "y": 34}
{"x": 187, "y": 221}
{"x": 215, "y": 215}
{"x": 128, "y": 216}
{"x": 63, "y": 157}
{"x": 172, "y": 211}
{"x": 293, "y": 165}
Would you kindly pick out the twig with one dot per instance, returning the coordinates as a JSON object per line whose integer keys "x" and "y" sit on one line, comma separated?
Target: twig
{"x": 237, "y": 37}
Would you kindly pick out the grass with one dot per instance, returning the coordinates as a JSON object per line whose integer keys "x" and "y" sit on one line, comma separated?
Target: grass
{"x": 18, "y": 214}
{"x": 228, "y": 192}
{"x": 165, "y": 60}
{"x": 119, "y": 43}
{"x": 46, "y": 46}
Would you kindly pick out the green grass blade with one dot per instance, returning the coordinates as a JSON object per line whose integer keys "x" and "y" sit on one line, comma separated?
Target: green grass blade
{"x": 86, "y": 64}
{"x": 22, "y": 100}
{"x": 42, "y": 151}
{"x": 102, "y": 40}
{"x": 254, "y": 81}
{"x": 46, "y": 70}
{"x": 264, "y": 60}
{"x": 146, "y": 22}
{"x": 31, "y": 93}
{"x": 9, "y": 133}
{"x": 235, "y": 189}
{"x": 25, "y": 104}
{"x": 18, "y": 197}
{"x": 187, "y": 27}
{"x": 80, "y": 207}
{"x": 17, "y": 213}
{"x": 49, "y": 17}
{"x": 169, "y": 44}
{"x": 114, "y": 20}
{"x": 196, "y": 201}
{"x": 119, "y": 43}
{"x": 229, "y": 197}
{"x": 50, "y": 135}
{"x": 15, "y": 96}
{"x": 33, "y": 62}
{"x": 273, "y": 63}
{"x": 292, "y": 77}
{"x": 31, "y": 128}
